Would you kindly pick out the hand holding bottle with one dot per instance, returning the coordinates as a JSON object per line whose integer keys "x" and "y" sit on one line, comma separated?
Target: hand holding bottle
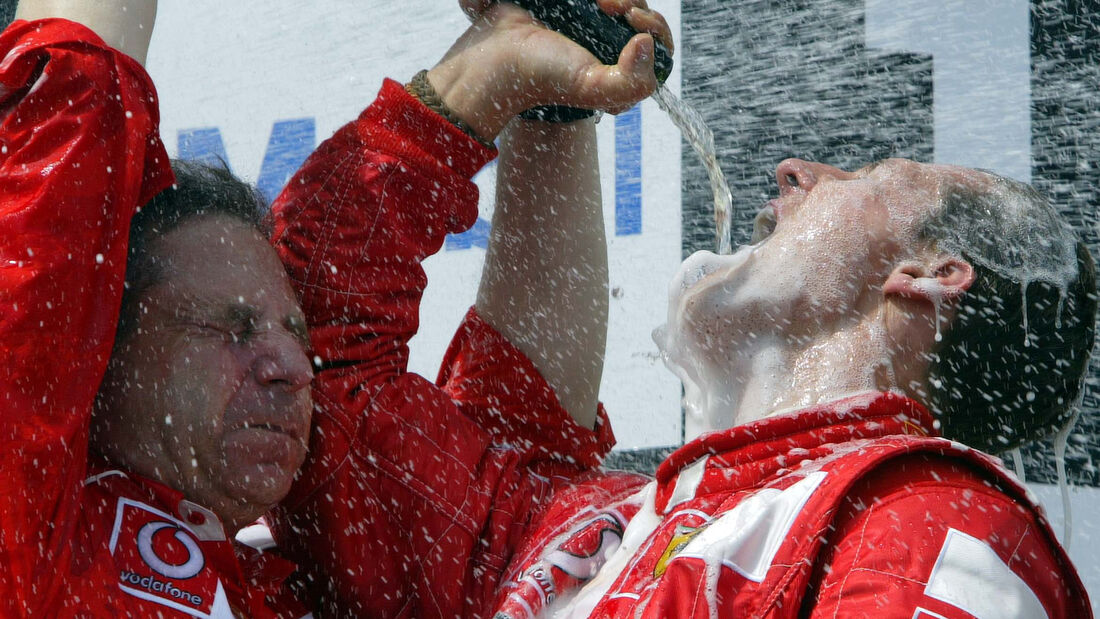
{"x": 507, "y": 62}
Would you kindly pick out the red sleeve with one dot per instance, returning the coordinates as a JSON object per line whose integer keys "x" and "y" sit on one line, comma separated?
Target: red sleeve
{"x": 930, "y": 539}
{"x": 409, "y": 504}
{"x": 78, "y": 153}
{"x": 495, "y": 384}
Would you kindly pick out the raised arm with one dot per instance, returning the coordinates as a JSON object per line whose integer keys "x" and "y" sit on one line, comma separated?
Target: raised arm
{"x": 544, "y": 283}
{"x": 80, "y": 152}
{"x": 407, "y": 504}
{"x": 125, "y": 25}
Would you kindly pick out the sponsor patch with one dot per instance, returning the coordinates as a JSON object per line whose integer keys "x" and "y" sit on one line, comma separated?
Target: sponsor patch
{"x": 160, "y": 560}
{"x": 682, "y": 536}
{"x": 912, "y": 429}
{"x": 577, "y": 557}
{"x": 971, "y": 576}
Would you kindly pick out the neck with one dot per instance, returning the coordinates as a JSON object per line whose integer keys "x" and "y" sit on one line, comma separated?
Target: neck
{"x": 773, "y": 376}
{"x": 234, "y": 515}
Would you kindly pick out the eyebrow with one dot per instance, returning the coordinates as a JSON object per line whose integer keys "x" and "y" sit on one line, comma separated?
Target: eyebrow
{"x": 240, "y": 313}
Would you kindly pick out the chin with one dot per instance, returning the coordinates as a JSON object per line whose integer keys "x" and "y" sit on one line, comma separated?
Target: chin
{"x": 262, "y": 484}
{"x": 262, "y": 463}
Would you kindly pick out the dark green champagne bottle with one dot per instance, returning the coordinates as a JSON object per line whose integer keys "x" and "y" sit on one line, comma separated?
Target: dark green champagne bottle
{"x": 600, "y": 33}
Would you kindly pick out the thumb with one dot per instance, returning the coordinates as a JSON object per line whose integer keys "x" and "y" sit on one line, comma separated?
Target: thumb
{"x": 637, "y": 59}
{"x": 474, "y": 8}
{"x": 618, "y": 87}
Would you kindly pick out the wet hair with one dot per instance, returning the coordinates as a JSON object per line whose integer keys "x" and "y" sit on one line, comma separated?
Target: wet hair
{"x": 199, "y": 190}
{"x": 1011, "y": 366}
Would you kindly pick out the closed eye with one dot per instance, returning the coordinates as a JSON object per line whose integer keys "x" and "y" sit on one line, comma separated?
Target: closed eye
{"x": 236, "y": 335}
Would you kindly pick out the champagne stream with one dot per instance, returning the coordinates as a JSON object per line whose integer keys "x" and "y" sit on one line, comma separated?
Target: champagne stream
{"x": 695, "y": 130}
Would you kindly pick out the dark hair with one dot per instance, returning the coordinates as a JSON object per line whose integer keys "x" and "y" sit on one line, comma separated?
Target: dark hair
{"x": 200, "y": 189}
{"x": 1011, "y": 367}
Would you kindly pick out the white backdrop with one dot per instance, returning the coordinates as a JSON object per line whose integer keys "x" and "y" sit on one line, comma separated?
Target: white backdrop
{"x": 234, "y": 76}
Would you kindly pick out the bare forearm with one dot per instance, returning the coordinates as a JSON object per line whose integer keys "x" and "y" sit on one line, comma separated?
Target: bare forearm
{"x": 544, "y": 285}
{"x": 125, "y": 25}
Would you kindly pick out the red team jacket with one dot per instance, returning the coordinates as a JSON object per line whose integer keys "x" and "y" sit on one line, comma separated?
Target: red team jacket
{"x": 844, "y": 510}
{"x": 413, "y": 507}
{"x": 428, "y": 487}
{"x": 79, "y": 151}
{"x": 416, "y": 493}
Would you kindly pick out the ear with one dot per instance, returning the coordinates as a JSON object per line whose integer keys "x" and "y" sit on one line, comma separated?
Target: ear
{"x": 949, "y": 279}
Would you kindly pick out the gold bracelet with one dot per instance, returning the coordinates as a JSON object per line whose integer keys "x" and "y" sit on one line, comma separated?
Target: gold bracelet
{"x": 422, "y": 89}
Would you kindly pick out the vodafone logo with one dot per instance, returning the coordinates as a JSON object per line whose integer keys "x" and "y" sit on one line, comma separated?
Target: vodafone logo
{"x": 148, "y": 550}
{"x": 161, "y": 561}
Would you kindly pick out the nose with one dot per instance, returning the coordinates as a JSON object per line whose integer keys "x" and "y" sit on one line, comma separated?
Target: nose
{"x": 797, "y": 175}
{"x": 282, "y": 362}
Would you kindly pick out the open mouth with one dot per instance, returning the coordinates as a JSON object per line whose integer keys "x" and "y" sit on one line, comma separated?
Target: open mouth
{"x": 763, "y": 224}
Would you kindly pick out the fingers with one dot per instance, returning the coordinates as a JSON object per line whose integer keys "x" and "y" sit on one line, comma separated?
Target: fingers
{"x": 530, "y": 65}
{"x": 645, "y": 20}
{"x": 636, "y": 62}
{"x": 617, "y": 88}
{"x": 474, "y": 8}
{"x": 641, "y": 18}
{"x": 617, "y": 8}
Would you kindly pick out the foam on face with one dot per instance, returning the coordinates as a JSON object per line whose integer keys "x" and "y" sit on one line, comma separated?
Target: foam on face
{"x": 741, "y": 329}
{"x": 738, "y": 324}
{"x": 706, "y": 394}
{"x": 720, "y": 337}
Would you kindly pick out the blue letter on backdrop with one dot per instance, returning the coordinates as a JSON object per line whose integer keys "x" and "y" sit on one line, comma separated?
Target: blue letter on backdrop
{"x": 203, "y": 145}
{"x": 290, "y": 143}
{"x": 628, "y": 172}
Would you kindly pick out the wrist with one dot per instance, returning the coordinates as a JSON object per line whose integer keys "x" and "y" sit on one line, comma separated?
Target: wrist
{"x": 422, "y": 89}
{"x": 125, "y": 25}
{"x": 473, "y": 99}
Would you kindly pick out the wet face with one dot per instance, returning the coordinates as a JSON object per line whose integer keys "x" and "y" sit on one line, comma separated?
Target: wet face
{"x": 209, "y": 392}
{"x": 821, "y": 248}
{"x": 822, "y": 252}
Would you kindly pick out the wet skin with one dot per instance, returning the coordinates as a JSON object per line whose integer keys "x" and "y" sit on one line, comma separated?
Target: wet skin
{"x": 825, "y": 247}
{"x": 837, "y": 284}
{"x": 209, "y": 393}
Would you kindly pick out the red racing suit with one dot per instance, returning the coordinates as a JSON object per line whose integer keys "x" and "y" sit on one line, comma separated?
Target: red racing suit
{"x": 414, "y": 493}
{"x": 79, "y": 152}
{"x": 849, "y": 509}
{"x": 429, "y": 487}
